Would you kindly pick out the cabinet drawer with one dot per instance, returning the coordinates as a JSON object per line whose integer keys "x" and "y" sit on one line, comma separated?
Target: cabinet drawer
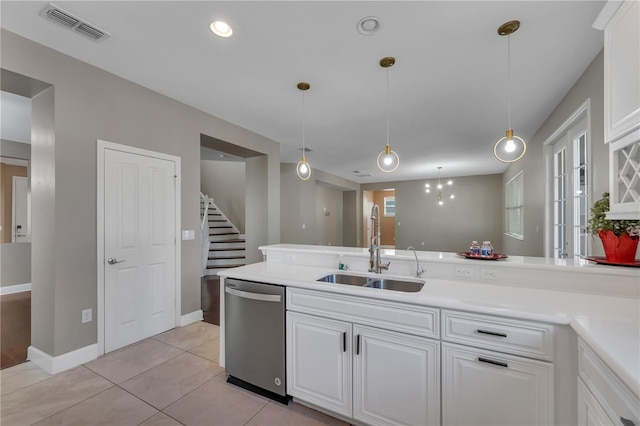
{"x": 530, "y": 339}
{"x": 615, "y": 398}
{"x": 411, "y": 319}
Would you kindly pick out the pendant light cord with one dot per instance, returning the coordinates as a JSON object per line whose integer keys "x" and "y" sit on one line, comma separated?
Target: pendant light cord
{"x": 509, "y": 78}
{"x": 387, "y": 106}
{"x": 303, "y": 125}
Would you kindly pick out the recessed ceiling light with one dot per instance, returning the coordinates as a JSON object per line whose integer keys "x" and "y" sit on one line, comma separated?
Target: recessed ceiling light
{"x": 368, "y": 25}
{"x": 221, "y": 29}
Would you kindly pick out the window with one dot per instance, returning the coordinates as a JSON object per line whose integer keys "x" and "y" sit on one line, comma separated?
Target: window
{"x": 514, "y": 204}
{"x": 581, "y": 190}
{"x": 390, "y": 206}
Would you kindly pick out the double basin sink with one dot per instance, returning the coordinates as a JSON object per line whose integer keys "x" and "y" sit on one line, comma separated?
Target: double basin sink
{"x": 373, "y": 282}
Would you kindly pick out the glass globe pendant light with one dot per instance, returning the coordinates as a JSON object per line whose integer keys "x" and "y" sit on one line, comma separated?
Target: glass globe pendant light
{"x": 388, "y": 160}
{"x": 302, "y": 168}
{"x": 510, "y": 148}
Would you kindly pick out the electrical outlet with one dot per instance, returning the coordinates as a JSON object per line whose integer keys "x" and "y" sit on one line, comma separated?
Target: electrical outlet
{"x": 489, "y": 274}
{"x": 289, "y": 258}
{"x": 87, "y": 315}
{"x": 461, "y": 271}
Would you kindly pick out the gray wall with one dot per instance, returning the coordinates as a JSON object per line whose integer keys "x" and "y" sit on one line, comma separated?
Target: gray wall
{"x": 300, "y": 206}
{"x": 92, "y": 104}
{"x": 350, "y": 216}
{"x": 474, "y": 214}
{"x": 225, "y": 182}
{"x": 15, "y": 149}
{"x": 589, "y": 86}
{"x": 328, "y": 226}
{"x": 15, "y": 264}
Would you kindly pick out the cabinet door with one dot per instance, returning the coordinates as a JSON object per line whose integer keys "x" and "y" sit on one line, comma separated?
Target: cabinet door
{"x": 621, "y": 70}
{"x": 590, "y": 412}
{"x": 319, "y": 361}
{"x": 481, "y": 387}
{"x": 396, "y": 378}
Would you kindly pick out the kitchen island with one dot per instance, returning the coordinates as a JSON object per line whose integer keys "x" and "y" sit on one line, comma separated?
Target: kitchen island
{"x": 572, "y": 308}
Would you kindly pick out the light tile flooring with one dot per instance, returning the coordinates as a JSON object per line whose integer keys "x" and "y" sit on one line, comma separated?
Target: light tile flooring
{"x": 170, "y": 379}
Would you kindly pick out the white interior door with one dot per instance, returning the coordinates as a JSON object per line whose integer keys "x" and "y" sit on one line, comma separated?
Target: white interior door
{"x": 19, "y": 213}
{"x": 139, "y": 247}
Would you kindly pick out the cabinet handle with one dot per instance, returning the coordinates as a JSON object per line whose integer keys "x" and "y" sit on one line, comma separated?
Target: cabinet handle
{"x": 344, "y": 341}
{"x": 358, "y": 344}
{"x": 626, "y": 422}
{"x": 490, "y": 361}
{"x": 491, "y": 333}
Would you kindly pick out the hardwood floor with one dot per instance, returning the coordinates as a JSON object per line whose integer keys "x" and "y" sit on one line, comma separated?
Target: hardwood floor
{"x": 15, "y": 320}
{"x": 15, "y": 328}
{"x": 210, "y": 299}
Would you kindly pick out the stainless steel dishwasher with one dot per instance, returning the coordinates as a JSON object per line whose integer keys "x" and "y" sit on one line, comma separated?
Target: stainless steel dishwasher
{"x": 254, "y": 316}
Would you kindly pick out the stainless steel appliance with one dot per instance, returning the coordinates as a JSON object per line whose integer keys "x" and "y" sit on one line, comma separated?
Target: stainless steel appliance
{"x": 254, "y": 315}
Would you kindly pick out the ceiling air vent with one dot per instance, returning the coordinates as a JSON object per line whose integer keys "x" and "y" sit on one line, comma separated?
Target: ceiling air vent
{"x": 62, "y": 17}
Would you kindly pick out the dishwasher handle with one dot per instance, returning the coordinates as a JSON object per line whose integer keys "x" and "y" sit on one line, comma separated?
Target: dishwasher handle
{"x": 254, "y": 296}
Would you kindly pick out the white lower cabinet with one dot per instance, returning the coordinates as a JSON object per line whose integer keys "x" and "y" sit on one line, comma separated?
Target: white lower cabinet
{"x": 394, "y": 379}
{"x": 319, "y": 362}
{"x": 590, "y": 412}
{"x": 481, "y": 387}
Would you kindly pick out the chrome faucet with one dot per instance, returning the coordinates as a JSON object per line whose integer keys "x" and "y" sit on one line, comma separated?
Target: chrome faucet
{"x": 374, "y": 247}
{"x": 419, "y": 270}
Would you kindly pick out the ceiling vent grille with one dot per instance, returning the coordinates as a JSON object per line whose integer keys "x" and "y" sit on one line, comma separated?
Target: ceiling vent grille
{"x": 62, "y": 17}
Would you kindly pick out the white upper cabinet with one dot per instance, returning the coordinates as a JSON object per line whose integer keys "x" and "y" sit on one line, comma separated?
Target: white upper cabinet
{"x": 621, "y": 24}
{"x": 621, "y": 68}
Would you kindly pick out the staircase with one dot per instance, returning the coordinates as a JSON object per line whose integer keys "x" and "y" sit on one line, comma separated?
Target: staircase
{"x": 223, "y": 245}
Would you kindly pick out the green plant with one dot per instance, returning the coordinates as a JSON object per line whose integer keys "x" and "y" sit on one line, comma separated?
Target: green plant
{"x": 599, "y": 221}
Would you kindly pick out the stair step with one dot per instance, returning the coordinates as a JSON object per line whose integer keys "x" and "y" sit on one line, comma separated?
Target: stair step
{"x": 225, "y": 257}
{"x": 222, "y": 266}
{"x": 221, "y": 227}
{"x": 214, "y": 234}
{"x": 226, "y": 249}
{"x": 232, "y": 240}
{"x": 217, "y": 220}
{"x": 215, "y": 214}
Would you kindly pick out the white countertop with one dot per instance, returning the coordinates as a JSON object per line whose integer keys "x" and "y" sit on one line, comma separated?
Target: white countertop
{"x": 609, "y": 325}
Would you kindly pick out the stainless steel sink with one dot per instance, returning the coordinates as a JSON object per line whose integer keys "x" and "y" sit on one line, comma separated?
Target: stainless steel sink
{"x": 397, "y": 285}
{"x": 373, "y": 282}
{"x": 344, "y": 279}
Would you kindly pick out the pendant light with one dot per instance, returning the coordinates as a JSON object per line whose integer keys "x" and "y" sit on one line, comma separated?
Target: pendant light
{"x": 388, "y": 160}
{"x": 302, "y": 168}
{"x": 510, "y": 148}
{"x": 439, "y": 188}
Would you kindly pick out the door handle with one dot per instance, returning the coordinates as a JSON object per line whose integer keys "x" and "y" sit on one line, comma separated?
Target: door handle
{"x": 254, "y": 296}
{"x": 113, "y": 261}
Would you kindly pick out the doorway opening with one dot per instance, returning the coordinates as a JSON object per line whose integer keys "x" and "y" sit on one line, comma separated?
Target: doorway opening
{"x": 385, "y": 199}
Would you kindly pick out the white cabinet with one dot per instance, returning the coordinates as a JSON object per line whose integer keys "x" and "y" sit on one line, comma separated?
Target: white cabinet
{"x": 319, "y": 362}
{"x": 396, "y": 378}
{"x": 621, "y": 24}
{"x": 590, "y": 412}
{"x": 484, "y": 383}
{"x": 368, "y": 373}
{"x": 482, "y": 387}
{"x": 603, "y": 397}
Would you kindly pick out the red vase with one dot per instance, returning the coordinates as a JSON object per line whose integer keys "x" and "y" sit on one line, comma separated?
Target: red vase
{"x": 619, "y": 249}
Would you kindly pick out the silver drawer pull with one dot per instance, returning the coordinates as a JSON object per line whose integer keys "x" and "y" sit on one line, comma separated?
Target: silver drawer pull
{"x": 490, "y": 361}
{"x": 491, "y": 333}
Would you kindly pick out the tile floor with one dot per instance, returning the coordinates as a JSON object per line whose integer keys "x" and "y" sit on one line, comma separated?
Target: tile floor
{"x": 170, "y": 379}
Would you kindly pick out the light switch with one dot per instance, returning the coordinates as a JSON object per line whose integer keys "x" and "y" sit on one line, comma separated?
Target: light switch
{"x": 189, "y": 234}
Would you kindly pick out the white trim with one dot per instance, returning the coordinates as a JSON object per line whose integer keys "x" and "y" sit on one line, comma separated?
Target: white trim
{"x": 608, "y": 10}
{"x": 102, "y": 147}
{"x": 18, "y": 288}
{"x": 584, "y": 108}
{"x": 191, "y": 317}
{"x": 57, "y": 364}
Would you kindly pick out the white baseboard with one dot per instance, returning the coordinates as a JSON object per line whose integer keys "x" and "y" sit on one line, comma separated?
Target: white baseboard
{"x": 18, "y": 288}
{"x": 57, "y": 364}
{"x": 191, "y": 317}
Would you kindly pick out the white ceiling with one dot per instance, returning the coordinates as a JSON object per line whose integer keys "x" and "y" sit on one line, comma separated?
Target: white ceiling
{"x": 447, "y": 89}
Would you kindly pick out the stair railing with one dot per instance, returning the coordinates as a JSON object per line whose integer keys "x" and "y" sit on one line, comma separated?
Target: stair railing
{"x": 205, "y": 202}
